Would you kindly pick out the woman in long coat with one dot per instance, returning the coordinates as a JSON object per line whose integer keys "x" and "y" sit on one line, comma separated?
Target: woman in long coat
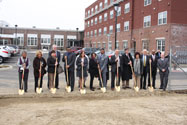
{"x": 39, "y": 73}
{"x": 126, "y": 62}
{"x": 82, "y": 61}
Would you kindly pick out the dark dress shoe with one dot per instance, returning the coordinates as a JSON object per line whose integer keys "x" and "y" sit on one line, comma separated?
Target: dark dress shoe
{"x": 92, "y": 89}
{"x": 112, "y": 89}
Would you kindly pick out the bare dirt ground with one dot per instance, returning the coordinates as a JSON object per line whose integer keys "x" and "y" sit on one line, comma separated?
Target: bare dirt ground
{"x": 95, "y": 108}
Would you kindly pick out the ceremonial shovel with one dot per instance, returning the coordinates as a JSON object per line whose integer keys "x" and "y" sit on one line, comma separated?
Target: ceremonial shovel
{"x": 38, "y": 89}
{"x": 117, "y": 87}
{"x": 135, "y": 86}
{"x": 103, "y": 89}
{"x": 151, "y": 89}
{"x": 68, "y": 88}
{"x": 82, "y": 90}
{"x": 53, "y": 90}
{"x": 21, "y": 91}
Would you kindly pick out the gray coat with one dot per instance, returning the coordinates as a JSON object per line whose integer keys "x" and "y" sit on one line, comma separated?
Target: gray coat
{"x": 103, "y": 61}
{"x": 163, "y": 64}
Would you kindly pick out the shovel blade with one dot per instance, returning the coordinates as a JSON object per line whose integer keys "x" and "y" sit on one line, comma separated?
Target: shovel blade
{"x": 151, "y": 89}
{"x": 136, "y": 89}
{"x": 21, "y": 92}
{"x": 68, "y": 89}
{"x": 103, "y": 89}
{"x": 39, "y": 90}
{"x": 83, "y": 91}
{"x": 117, "y": 88}
{"x": 53, "y": 90}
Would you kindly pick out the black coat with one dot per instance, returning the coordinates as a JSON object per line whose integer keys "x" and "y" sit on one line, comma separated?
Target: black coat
{"x": 79, "y": 67}
{"x": 36, "y": 66}
{"x": 58, "y": 55}
{"x": 154, "y": 64}
{"x": 93, "y": 67}
{"x": 125, "y": 67}
{"x": 147, "y": 63}
{"x": 51, "y": 64}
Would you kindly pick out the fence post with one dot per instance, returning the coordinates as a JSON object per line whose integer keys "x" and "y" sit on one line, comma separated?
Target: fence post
{"x": 170, "y": 67}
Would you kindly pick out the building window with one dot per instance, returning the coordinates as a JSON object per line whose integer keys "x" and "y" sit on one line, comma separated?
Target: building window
{"x": 96, "y": 20}
{"x": 161, "y": 44}
{"x": 94, "y": 45}
{"x": 100, "y": 32}
{"x": 96, "y": 8}
{"x": 117, "y": 44}
{"x": 92, "y": 11}
{"x": 88, "y": 33}
{"x": 147, "y": 21}
{"x": 88, "y": 12}
{"x": 19, "y": 41}
{"x": 101, "y": 6}
{"x": 32, "y": 39}
{"x": 92, "y": 22}
{"x": 162, "y": 18}
{"x": 127, "y": 8}
{"x": 111, "y": 14}
{"x": 88, "y": 23}
{"x": 106, "y": 3}
{"x": 111, "y": 1}
{"x": 105, "y": 17}
{"x": 147, "y": 2}
{"x": 95, "y": 32}
{"x": 145, "y": 44}
{"x": 126, "y": 26}
{"x": 104, "y": 45}
{"x": 100, "y": 19}
{"x": 111, "y": 29}
{"x": 105, "y": 31}
{"x": 109, "y": 45}
{"x": 125, "y": 44}
{"x": 119, "y": 11}
{"x": 118, "y": 27}
{"x": 59, "y": 40}
{"x": 91, "y": 33}
{"x": 98, "y": 45}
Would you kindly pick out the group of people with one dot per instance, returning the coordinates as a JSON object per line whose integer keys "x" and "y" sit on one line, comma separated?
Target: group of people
{"x": 123, "y": 68}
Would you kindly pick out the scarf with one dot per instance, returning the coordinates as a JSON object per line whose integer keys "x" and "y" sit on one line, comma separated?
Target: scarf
{"x": 137, "y": 67}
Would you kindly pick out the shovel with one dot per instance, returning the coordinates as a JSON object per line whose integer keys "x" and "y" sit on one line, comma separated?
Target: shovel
{"x": 53, "y": 90}
{"x": 68, "y": 88}
{"x": 151, "y": 89}
{"x": 38, "y": 89}
{"x": 82, "y": 90}
{"x": 103, "y": 89}
{"x": 117, "y": 87}
{"x": 21, "y": 91}
{"x": 136, "y": 88}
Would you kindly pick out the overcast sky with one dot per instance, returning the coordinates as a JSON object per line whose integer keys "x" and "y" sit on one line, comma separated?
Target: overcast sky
{"x": 66, "y": 14}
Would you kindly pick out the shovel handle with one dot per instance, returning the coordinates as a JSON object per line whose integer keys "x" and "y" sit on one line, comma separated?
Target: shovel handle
{"x": 100, "y": 75}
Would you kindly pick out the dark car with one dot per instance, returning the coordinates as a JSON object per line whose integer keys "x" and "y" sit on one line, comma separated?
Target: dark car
{"x": 88, "y": 51}
{"x": 75, "y": 49}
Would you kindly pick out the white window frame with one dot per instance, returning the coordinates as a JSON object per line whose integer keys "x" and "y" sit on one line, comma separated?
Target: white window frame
{"x": 95, "y": 20}
{"x": 145, "y": 44}
{"x": 111, "y": 29}
{"x": 105, "y": 16}
{"x": 147, "y": 21}
{"x": 147, "y": 2}
{"x": 91, "y": 33}
{"x": 162, "y": 16}
{"x": 92, "y": 11}
{"x": 60, "y": 39}
{"x": 100, "y": 18}
{"x": 88, "y": 23}
{"x": 104, "y": 44}
{"x": 111, "y": 14}
{"x": 95, "y": 33}
{"x": 105, "y": 30}
{"x": 125, "y": 44}
{"x": 118, "y": 27}
{"x": 96, "y": 8}
{"x": 110, "y": 45}
{"x": 92, "y": 22}
{"x": 126, "y": 26}
{"x": 106, "y": 3}
{"x": 100, "y": 32}
{"x": 30, "y": 37}
{"x": 101, "y": 6}
{"x": 98, "y": 45}
{"x": 162, "y": 44}
{"x": 127, "y": 8}
{"x": 119, "y": 11}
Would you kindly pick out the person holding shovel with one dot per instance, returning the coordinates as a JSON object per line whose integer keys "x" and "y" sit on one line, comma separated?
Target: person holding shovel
{"x": 82, "y": 62}
{"x": 23, "y": 67}
{"x": 51, "y": 63}
{"x": 39, "y": 65}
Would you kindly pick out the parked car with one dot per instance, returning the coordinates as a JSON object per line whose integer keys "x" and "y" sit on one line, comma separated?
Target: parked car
{"x": 110, "y": 53}
{"x": 75, "y": 48}
{"x": 88, "y": 51}
{"x": 17, "y": 50}
{"x": 11, "y": 49}
{"x": 4, "y": 54}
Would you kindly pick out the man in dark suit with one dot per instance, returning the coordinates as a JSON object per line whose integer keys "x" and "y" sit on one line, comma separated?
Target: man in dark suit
{"x": 70, "y": 56}
{"x": 103, "y": 62}
{"x": 153, "y": 61}
{"x": 58, "y": 55}
{"x": 126, "y": 62}
{"x": 145, "y": 60}
{"x": 114, "y": 61}
{"x": 158, "y": 54}
{"x": 163, "y": 66}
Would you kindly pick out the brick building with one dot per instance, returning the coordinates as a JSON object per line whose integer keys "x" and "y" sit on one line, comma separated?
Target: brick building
{"x": 142, "y": 24}
{"x": 35, "y": 38}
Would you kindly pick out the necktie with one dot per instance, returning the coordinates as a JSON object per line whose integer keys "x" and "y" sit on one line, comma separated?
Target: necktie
{"x": 144, "y": 62}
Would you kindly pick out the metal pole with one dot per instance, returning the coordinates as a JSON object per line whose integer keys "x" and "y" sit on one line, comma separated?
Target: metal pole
{"x": 16, "y": 34}
{"x": 116, "y": 29}
{"x": 170, "y": 67}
